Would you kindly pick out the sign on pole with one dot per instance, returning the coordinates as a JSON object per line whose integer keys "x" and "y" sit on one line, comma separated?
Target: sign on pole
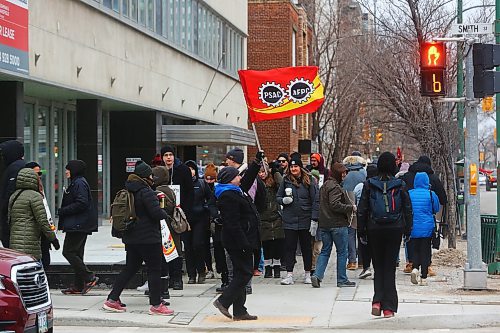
{"x": 472, "y": 29}
{"x": 14, "y": 35}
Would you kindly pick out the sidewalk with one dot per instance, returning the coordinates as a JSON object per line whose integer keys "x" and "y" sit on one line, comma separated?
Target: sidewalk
{"x": 440, "y": 305}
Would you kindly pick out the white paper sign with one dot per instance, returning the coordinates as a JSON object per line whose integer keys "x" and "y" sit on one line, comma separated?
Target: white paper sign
{"x": 321, "y": 180}
{"x": 177, "y": 191}
{"x": 168, "y": 245}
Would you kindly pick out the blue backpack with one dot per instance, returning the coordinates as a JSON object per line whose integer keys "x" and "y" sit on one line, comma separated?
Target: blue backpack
{"x": 385, "y": 200}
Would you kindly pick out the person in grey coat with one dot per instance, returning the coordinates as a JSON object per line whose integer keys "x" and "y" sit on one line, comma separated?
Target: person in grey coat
{"x": 299, "y": 195}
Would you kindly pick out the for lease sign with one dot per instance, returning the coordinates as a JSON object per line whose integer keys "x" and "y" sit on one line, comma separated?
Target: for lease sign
{"x": 14, "y": 35}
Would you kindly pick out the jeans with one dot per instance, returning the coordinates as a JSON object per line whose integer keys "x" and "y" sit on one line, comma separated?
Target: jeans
{"x": 316, "y": 250}
{"x": 422, "y": 252}
{"x": 339, "y": 237}
{"x": 352, "y": 245}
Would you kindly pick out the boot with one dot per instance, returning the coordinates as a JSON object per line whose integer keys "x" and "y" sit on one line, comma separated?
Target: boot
{"x": 277, "y": 271}
{"x": 165, "y": 294}
{"x": 408, "y": 268}
{"x": 268, "y": 272}
{"x": 201, "y": 278}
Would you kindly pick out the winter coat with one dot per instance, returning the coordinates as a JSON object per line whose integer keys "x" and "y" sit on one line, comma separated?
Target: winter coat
{"x": 436, "y": 184}
{"x": 356, "y": 173}
{"x": 335, "y": 209}
{"x": 365, "y": 222}
{"x": 181, "y": 175}
{"x": 257, "y": 190}
{"x": 12, "y": 152}
{"x": 425, "y": 204}
{"x": 271, "y": 225}
{"x": 148, "y": 211}
{"x": 28, "y": 219}
{"x": 202, "y": 196}
{"x": 305, "y": 205}
{"x": 77, "y": 213}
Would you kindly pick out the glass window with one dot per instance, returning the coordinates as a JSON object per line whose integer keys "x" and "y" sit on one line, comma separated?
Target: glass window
{"x": 125, "y": 8}
{"x": 42, "y": 120}
{"x": 294, "y": 123}
{"x": 170, "y": 32}
{"x": 183, "y": 22}
{"x": 224, "y": 46}
{"x": 107, "y": 3}
{"x": 195, "y": 26}
{"x": 209, "y": 37}
{"x": 142, "y": 12}
{"x": 294, "y": 36}
{"x": 150, "y": 18}
{"x": 116, "y": 5}
{"x": 159, "y": 20}
{"x": 189, "y": 25}
{"x": 177, "y": 25}
{"x": 201, "y": 32}
{"x": 133, "y": 10}
{"x": 28, "y": 128}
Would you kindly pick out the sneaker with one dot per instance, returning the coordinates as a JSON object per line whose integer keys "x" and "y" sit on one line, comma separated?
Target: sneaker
{"x": 430, "y": 272}
{"x": 288, "y": 280}
{"x": 160, "y": 310}
{"x": 268, "y": 272}
{"x": 277, "y": 272}
{"x": 307, "y": 278}
{"x": 192, "y": 280}
{"x": 177, "y": 285}
{"x": 89, "y": 285}
{"x": 201, "y": 278}
{"x": 408, "y": 268}
{"x": 352, "y": 266}
{"x": 123, "y": 305}
{"x": 113, "y": 306}
{"x": 388, "y": 314}
{"x": 71, "y": 291}
{"x": 222, "y": 309}
{"x": 376, "y": 309}
{"x": 210, "y": 275}
{"x": 144, "y": 287}
{"x": 365, "y": 273}
{"x": 256, "y": 272}
{"x": 422, "y": 282}
{"x": 315, "y": 281}
{"x": 414, "y": 276}
{"x": 346, "y": 284}
{"x": 246, "y": 316}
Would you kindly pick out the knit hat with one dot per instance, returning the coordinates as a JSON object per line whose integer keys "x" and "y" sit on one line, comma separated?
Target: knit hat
{"x": 387, "y": 164}
{"x": 32, "y": 165}
{"x": 167, "y": 149}
{"x": 295, "y": 155}
{"x": 315, "y": 173}
{"x": 356, "y": 153}
{"x": 371, "y": 171}
{"x": 76, "y": 167}
{"x": 142, "y": 169}
{"x": 210, "y": 171}
{"x": 156, "y": 161}
{"x": 295, "y": 160}
{"x": 425, "y": 160}
{"x": 235, "y": 155}
{"x": 337, "y": 170}
{"x": 316, "y": 156}
{"x": 227, "y": 174}
{"x": 284, "y": 155}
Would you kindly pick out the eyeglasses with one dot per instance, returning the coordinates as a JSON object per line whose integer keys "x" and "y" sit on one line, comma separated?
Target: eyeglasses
{"x": 282, "y": 161}
{"x": 40, "y": 173}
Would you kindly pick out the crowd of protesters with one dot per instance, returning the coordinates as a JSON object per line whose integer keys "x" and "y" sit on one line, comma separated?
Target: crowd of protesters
{"x": 247, "y": 218}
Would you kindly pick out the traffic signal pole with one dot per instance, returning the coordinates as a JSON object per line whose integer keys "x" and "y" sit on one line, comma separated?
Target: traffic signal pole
{"x": 495, "y": 266}
{"x": 460, "y": 90}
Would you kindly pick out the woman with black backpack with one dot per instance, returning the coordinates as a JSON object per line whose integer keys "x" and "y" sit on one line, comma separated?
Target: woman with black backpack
{"x": 384, "y": 216}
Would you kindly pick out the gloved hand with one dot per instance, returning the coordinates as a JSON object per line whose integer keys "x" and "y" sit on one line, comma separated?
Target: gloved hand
{"x": 313, "y": 228}
{"x": 259, "y": 157}
{"x": 287, "y": 200}
{"x": 56, "y": 244}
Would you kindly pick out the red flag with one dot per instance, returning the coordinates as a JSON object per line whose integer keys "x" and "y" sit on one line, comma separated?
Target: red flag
{"x": 281, "y": 92}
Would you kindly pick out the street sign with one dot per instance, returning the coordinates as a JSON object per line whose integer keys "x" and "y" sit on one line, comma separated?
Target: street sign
{"x": 472, "y": 29}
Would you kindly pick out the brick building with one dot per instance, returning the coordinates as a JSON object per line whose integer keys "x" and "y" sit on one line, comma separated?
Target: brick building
{"x": 280, "y": 35}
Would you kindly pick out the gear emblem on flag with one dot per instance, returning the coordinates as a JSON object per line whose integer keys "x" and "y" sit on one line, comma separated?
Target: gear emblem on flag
{"x": 299, "y": 90}
{"x": 271, "y": 94}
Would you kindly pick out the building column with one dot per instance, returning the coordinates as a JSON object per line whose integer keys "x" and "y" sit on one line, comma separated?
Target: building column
{"x": 89, "y": 144}
{"x": 12, "y": 111}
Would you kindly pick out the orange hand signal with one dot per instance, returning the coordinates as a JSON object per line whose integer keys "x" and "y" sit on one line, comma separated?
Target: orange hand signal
{"x": 433, "y": 52}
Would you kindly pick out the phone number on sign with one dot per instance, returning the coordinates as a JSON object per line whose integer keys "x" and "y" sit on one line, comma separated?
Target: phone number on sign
{"x": 10, "y": 59}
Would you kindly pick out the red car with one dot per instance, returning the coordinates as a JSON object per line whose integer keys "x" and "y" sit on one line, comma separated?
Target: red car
{"x": 25, "y": 303}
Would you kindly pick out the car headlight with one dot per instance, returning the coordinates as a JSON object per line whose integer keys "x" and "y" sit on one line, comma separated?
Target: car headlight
{"x": 2, "y": 287}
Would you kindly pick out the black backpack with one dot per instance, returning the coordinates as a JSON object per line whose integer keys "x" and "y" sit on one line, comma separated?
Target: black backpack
{"x": 386, "y": 203}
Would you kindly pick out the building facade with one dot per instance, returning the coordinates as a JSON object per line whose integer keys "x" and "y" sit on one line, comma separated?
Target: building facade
{"x": 110, "y": 81}
{"x": 280, "y": 35}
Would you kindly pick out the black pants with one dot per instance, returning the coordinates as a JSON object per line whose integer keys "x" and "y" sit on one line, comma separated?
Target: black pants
{"x": 175, "y": 269}
{"x": 73, "y": 251}
{"x": 256, "y": 259}
{"x": 194, "y": 246}
{"x": 384, "y": 246}
{"x": 235, "y": 294}
{"x": 422, "y": 252}
{"x": 45, "y": 246}
{"x": 364, "y": 253}
{"x": 208, "y": 252}
{"x": 304, "y": 237}
{"x": 220, "y": 261}
{"x": 273, "y": 249}
{"x": 152, "y": 255}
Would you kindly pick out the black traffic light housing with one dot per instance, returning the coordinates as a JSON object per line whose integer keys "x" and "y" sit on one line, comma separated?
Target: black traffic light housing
{"x": 433, "y": 69}
{"x": 485, "y": 58}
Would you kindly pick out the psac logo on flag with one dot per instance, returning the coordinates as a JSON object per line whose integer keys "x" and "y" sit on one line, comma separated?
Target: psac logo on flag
{"x": 281, "y": 92}
{"x": 298, "y": 91}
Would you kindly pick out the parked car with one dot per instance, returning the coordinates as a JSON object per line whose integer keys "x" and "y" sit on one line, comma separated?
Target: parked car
{"x": 491, "y": 181}
{"x": 25, "y": 303}
{"x": 482, "y": 179}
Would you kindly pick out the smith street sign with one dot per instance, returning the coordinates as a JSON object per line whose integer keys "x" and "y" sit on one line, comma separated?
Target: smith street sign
{"x": 472, "y": 29}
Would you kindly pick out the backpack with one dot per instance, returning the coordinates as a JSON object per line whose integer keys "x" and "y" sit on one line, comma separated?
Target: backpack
{"x": 179, "y": 221}
{"x": 385, "y": 200}
{"x": 123, "y": 213}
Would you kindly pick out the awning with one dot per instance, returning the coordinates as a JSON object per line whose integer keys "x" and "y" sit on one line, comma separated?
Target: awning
{"x": 207, "y": 134}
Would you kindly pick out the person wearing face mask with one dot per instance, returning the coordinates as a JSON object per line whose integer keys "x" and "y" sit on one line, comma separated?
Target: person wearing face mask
{"x": 335, "y": 213}
{"x": 299, "y": 195}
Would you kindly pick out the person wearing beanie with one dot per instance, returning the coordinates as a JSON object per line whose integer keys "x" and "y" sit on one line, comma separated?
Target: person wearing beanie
{"x": 210, "y": 174}
{"x": 12, "y": 152}
{"x": 299, "y": 195}
{"x": 384, "y": 216}
{"x": 240, "y": 235}
{"x": 180, "y": 175}
{"x": 318, "y": 163}
{"x": 78, "y": 219}
{"x": 336, "y": 211}
{"x": 143, "y": 243}
{"x": 282, "y": 162}
{"x": 235, "y": 156}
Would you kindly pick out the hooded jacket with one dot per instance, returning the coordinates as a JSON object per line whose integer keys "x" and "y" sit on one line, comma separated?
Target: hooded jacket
{"x": 181, "y": 175}
{"x": 271, "y": 225}
{"x": 12, "y": 153}
{"x": 202, "y": 196}
{"x": 356, "y": 172}
{"x": 76, "y": 213}
{"x": 425, "y": 204}
{"x": 321, "y": 167}
{"x": 148, "y": 211}
{"x": 424, "y": 165}
{"x": 28, "y": 219}
{"x": 335, "y": 208}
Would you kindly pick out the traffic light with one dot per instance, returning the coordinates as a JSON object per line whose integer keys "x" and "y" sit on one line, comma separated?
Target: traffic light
{"x": 487, "y": 104}
{"x": 486, "y": 80}
{"x": 366, "y": 132}
{"x": 433, "y": 69}
{"x": 378, "y": 136}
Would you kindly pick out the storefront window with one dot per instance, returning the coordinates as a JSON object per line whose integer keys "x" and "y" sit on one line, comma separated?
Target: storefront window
{"x": 28, "y": 129}
{"x": 42, "y": 115}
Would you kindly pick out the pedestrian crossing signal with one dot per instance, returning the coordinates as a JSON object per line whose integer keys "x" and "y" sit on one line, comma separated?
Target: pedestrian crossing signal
{"x": 433, "y": 69}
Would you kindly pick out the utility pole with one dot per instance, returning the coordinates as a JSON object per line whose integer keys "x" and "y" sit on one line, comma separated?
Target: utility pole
{"x": 475, "y": 271}
{"x": 495, "y": 267}
{"x": 460, "y": 111}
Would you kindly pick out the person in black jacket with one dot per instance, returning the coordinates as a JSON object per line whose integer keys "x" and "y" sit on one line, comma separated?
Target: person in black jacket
{"x": 12, "y": 153}
{"x": 180, "y": 175}
{"x": 240, "y": 235}
{"x": 384, "y": 238}
{"x": 78, "y": 219}
{"x": 142, "y": 243}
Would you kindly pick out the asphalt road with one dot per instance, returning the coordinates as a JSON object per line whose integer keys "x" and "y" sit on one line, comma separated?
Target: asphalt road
{"x": 488, "y": 201}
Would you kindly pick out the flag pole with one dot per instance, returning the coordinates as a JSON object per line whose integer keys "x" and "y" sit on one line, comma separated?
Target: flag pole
{"x": 256, "y": 137}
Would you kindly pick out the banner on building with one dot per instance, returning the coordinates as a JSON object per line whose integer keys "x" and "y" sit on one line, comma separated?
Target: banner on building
{"x": 281, "y": 92}
{"x": 14, "y": 55}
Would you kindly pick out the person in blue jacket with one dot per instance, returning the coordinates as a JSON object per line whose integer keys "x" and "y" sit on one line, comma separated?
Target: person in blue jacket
{"x": 425, "y": 204}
